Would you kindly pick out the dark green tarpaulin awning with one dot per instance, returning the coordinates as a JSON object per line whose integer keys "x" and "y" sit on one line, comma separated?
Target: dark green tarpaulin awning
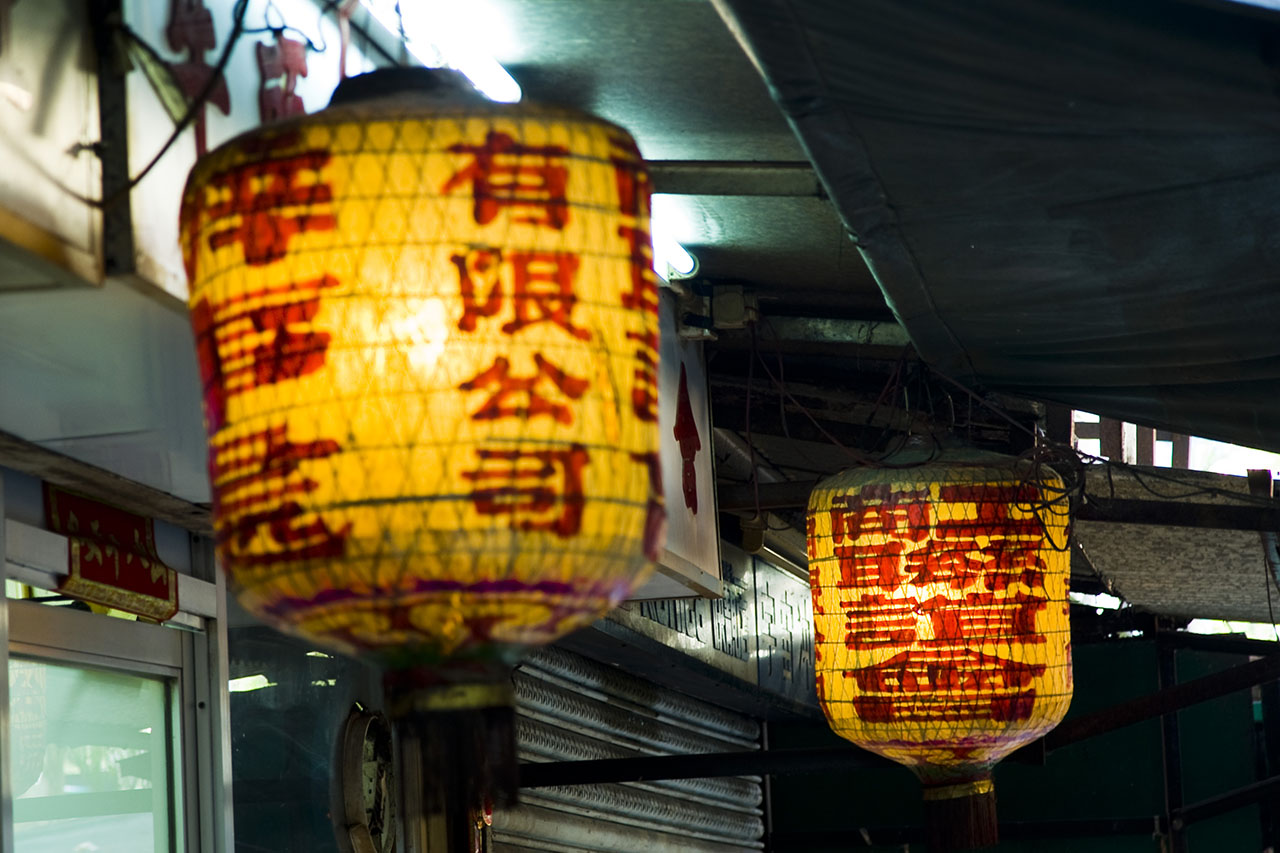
{"x": 1076, "y": 201}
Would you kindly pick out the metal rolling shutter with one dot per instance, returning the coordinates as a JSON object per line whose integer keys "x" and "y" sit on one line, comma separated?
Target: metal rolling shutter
{"x": 571, "y": 708}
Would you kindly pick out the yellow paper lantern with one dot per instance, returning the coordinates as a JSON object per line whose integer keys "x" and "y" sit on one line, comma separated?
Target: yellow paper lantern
{"x": 940, "y": 616}
{"x": 427, "y": 327}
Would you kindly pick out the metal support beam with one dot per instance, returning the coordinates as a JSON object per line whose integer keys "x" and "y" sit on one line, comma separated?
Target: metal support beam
{"x": 735, "y": 178}
{"x": 1171, "y": 748}
{"x": 113, "y": 146}
{"x": 819, "y": 335}
{"x": 706, "y": 765}
{"x": 1166, "y": 701}
{"x": 884, "y": 836}
{"x": 1180, "y": 514}
{"x": 712, "y": 764}
{"x": 1230, "y": 801}
{"x": 795, "y": 495}
{"x": 1271, "y": 745}
{"x": 61, "y": 470}
{"x": 733, "y": 497}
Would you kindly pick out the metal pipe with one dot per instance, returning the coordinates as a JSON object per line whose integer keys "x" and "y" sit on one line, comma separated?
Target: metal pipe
{"x": 1170, "y": 748}
{"x": 780, "y": 179}
{"x": 794, "y": 495}
{"x": 647, "y": 768}
{"x": 1230, "y": 801}
{"x": 1164, "y": 701}
{"x": 873, "y": 836}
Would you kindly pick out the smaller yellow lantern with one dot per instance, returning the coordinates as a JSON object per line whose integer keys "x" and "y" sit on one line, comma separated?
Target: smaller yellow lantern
{"x": 940, "y": 622}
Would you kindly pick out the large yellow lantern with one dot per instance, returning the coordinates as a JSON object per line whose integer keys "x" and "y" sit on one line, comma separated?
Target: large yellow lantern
{"x": 427, "y": 327}
{"x": 940, "y": 615}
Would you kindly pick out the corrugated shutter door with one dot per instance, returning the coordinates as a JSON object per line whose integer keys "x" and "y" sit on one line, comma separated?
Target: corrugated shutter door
{"x": 574, "y": 709}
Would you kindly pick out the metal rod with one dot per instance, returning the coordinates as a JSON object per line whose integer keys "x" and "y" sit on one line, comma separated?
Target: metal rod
{"x": 707, "y": 765}
{"x": 1271, "y": 742}
{"x": 1230, "y": 801}
{"x": 877, "y": 836}
{"x": 1171, "y": 748}
{"x": 1164, "y": 701}
{"x": 735, "y": 178}
{"x": 795, "y": 495}
{"x": 1180, "y": 514}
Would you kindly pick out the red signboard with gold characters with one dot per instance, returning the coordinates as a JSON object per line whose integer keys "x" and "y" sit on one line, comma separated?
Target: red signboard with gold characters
{"x": 940, "y": 614}
{"x": 427, "y": 330}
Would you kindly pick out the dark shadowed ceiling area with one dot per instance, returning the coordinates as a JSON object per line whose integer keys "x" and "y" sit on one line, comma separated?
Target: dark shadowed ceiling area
{"x": 1071, "y": 201}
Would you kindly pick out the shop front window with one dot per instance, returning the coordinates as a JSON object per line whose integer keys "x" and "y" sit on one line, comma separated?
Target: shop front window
{"x": 92, "y": 758}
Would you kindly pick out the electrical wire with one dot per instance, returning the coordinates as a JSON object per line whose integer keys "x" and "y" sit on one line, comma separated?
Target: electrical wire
{"x": 239, "y": 10}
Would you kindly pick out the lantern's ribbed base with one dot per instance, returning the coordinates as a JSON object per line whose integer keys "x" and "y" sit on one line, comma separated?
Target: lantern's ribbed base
{"x": 456, "y": 754}
{"x": 961, "y": 816}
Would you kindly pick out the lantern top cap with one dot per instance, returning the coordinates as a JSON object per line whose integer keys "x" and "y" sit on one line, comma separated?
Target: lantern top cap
{"x": 438, "y": 84}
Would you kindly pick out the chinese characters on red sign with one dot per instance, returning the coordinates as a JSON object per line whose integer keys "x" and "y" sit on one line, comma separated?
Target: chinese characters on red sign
{"x": 943, "y": 589}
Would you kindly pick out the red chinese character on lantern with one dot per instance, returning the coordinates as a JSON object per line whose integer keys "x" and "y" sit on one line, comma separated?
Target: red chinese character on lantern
{"x": 630, "y": 177}
{"x": 644, "y": 388}
{"x": 530, "y": 179}
{"x": 643, "y": 295}
{"x": 519, "y": 397}
{"x": 263, "y": 467}
{"x": 875, "y": 620}
{"x": 285, "y": 59}
{"x": 905, "y": 518}
{"x": 241, "y": 347}
{"x": 538, "y": 489}
{"x": 265, "y": 203}
{"x": 985, "y": 580}
{"x": 293, "y": 534}
{"x": 634, "y": 189}
{"x": 540, "y": 285}
{"x": 190, "y": 30}
{"x": 945, "y": 685}
{"x": 253, "y": 477}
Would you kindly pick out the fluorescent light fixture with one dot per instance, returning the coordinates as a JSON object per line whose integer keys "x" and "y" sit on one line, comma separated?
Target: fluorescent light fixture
{"x": 315, "y": 654}
{"x": 669, "y": 223}
{"x": 1102, "y": 601}
{"x": 671, "y": 260}
{"x": 1252, "y": 630}
{"x": 438, "y": 37}
{"x": 484, "y": 72}
{"x": 249, "y": 682}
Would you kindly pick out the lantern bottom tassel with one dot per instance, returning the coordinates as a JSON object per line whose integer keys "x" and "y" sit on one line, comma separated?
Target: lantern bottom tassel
{"x": 456, "y": 759}
{"x": 961, "y": 816}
